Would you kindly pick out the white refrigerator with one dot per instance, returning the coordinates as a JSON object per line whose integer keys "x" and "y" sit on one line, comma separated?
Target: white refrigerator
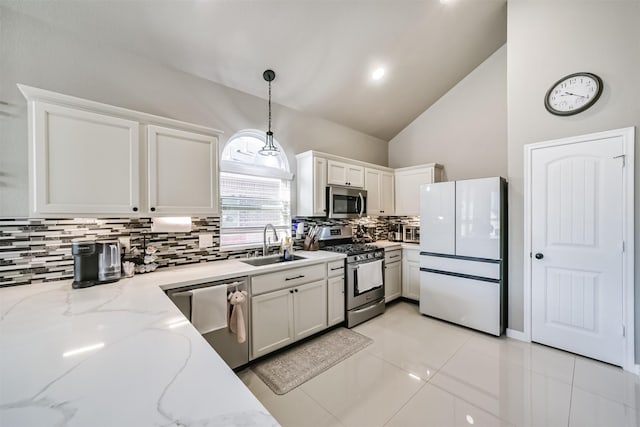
{"x": 463, "y": 266}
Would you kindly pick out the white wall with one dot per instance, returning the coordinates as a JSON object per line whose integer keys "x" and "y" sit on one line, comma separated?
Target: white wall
{"x": 36, "y": 54}
{"x": 547, "y": 40}
{"x": 465, "y": 130}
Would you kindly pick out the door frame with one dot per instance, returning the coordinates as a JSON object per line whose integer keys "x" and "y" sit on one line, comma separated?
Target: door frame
{"x": 628, "y": 306}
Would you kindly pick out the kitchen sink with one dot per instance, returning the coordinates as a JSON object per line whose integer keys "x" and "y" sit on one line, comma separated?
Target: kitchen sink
{"x": 268, "y": 260}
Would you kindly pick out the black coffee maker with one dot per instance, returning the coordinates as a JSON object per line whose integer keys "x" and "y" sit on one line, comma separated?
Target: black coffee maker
{"x": 95, "y": 262}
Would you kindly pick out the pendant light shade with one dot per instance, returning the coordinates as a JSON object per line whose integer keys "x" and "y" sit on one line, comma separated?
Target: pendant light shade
{"x": 269, "y": 148}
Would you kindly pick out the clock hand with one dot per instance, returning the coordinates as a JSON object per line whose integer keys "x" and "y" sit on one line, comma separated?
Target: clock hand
{"x": 574, "y": 94}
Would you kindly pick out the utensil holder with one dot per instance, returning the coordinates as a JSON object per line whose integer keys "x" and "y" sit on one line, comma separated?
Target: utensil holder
{"x": 310, "y": 245}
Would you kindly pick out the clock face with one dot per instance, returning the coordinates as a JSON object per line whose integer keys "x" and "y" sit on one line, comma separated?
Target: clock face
{"x": 573, "y": 94}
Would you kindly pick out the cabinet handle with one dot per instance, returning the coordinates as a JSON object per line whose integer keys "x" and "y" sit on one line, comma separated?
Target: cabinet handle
{"x": 337, "y": 268}
{"x": 295, "y": 277}
{"x": 394, "y": 256}
{"x": 296, "y": 290}
{"x": 135, "y": 209}
{"x": 290, "y": 291}
{"x": 381, "y": 211}
{"x": 153, "y": 209}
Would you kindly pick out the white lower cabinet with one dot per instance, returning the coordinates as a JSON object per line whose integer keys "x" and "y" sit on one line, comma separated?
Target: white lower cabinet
{"x": 280, "y": 317}
{"x": 335, "y": 292}
{"x": 393, "y": 281}
{"x": 392, "y": 274}
{"x": 335, "y": 298}
{"x": 411, "y": 274}
{"x": 309, "y": 309}
{"x": 271, "y": 321}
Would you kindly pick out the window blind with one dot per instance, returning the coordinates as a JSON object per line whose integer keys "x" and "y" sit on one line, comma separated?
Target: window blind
{"x": 248, "y": 204}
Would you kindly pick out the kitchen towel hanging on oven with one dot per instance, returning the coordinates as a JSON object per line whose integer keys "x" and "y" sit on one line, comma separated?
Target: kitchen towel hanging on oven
{"x": 369, "y": 276}
{"x": 209, "y": 308}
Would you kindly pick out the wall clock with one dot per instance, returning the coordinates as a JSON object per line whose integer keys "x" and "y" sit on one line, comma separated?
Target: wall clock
{"x": 573, "y": 94}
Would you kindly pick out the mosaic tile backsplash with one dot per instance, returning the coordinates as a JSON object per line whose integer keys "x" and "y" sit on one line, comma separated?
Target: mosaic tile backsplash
{"x": 39, "y": 250}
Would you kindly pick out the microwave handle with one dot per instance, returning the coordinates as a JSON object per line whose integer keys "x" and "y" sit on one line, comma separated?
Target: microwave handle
{"x": 361, "y": 204}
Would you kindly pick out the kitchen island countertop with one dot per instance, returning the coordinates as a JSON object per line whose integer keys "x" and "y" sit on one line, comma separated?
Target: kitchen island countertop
{"x": 120, "y": 354}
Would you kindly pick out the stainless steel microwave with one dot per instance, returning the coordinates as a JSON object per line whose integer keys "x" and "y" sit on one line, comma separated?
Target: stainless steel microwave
{"x": 346, "y": 202}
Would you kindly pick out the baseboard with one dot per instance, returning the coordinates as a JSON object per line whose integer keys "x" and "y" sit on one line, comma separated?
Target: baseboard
{"x": 517, "y": 335}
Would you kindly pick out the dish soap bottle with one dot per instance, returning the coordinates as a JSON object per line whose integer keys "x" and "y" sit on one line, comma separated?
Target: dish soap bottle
{"x": 288, "y": 249}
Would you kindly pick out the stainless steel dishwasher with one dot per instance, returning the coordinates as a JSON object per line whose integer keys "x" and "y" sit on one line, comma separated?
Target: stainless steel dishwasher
{"x": 223, "y": 341}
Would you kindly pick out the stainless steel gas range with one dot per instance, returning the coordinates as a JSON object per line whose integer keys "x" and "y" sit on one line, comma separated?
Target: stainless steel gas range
{"x": 364, "y": 273}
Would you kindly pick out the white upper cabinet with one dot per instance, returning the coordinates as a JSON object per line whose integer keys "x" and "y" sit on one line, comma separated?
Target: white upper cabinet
{"x": 380, "y": 192}
{"x": 346, "y": 174}
{"x": 311, "y": 185}
{"x": 408, "y": 182}
{"x": 182, "y": 172}
{"x": 82, "y": 162}
{"x": 91, "y": 159}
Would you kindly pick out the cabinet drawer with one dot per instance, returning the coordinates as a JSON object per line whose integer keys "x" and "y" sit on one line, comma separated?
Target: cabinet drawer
{"x": 392, "y": 256}
{"x": 286, "y": 278}
{"x": 335, "y": 268}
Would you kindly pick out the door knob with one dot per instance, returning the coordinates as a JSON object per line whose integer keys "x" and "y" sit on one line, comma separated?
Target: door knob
{"x": 539, "y": 256}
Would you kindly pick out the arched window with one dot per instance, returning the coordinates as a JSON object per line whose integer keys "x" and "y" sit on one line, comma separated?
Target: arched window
{"x": 254, "y": 191}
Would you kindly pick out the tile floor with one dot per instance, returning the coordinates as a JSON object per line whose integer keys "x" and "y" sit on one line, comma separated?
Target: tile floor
{"x": 423, "y": 372}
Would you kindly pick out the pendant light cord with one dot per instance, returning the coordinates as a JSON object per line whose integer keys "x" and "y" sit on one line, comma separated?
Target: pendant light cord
{"x": 269, "y": 105}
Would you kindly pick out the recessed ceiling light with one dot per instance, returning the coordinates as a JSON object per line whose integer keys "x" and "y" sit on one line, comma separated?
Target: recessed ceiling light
{"x": 378, "y": 73}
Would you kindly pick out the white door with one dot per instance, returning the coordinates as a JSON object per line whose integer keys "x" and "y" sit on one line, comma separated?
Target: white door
{"x": 577, "y": 248}
{"x": 437, "y": 218}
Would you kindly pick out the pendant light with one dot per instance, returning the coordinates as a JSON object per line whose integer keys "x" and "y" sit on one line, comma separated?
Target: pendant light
{"x": 269, "y": 148}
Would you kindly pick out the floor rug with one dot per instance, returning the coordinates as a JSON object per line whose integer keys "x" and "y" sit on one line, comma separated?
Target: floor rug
{"x": 287, "y": 370}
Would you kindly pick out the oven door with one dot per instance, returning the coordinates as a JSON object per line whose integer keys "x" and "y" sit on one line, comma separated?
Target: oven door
{"x": 346, "y": 202}
{"x": 355, "y": 298}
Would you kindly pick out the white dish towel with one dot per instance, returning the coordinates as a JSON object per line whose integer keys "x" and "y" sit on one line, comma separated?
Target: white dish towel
{"x": 369, "y": 276}
{"x": 209, "y": 308}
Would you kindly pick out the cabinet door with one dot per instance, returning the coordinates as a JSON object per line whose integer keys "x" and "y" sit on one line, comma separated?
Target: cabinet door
{"x": 355, "y": 175}
{"x": 339, "y": 173}
{"x": 380, "y": 192}
{"x": 83, "y": 163}
{"x": 183, "y": 172}
{"x": 408, "y": 189}
{"x": 372, "y": 185}
{"x": 392, "y": 281}
{"x": 309, "y": 308}
{"x": 271, "y": 321}
{"x": 335, "y": 300}
{"x": 319, "y": 186}
{"x": 411, "y": 279}
{"x": 387, "y": 193}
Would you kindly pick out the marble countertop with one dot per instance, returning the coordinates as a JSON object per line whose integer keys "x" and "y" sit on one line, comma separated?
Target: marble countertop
{"x": 120, "y": 354}
{"x": 389, "y": 245}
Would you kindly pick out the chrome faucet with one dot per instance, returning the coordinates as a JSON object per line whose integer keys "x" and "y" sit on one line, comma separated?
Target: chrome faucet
{"x": 265, "y": 246}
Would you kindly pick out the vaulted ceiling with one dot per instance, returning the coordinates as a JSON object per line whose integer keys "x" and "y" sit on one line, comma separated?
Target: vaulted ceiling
{"x": 323, "y": 51}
